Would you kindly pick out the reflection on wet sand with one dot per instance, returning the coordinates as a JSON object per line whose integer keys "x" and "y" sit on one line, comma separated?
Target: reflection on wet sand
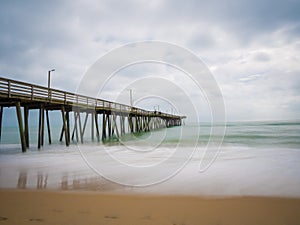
{"x": 22, "y": 181}
{"x": 90, "y": 183}
{"x": 67, "y": 182}
{"x": 42, "y": 181}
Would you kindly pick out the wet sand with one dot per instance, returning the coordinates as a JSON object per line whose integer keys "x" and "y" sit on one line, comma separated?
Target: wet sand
{"x": 46, "y": 207}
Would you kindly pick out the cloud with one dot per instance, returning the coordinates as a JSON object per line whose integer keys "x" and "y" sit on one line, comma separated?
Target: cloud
{"x": 250, "y": 77}
{"x": 262, "y": 57}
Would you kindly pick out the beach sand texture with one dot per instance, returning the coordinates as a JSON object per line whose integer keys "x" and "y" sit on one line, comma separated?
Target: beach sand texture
{"x": 45, "y": 207}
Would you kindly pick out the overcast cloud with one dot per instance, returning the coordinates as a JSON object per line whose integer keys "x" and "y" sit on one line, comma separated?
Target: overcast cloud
{"x": 251, "y": 47}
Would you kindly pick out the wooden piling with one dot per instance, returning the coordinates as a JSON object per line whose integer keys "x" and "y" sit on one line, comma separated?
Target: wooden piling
{"x": 1, "y": 115}
{"x": 68, "y": 125}
{"x": 97, "y": 127}
{"x": 48, "y": 127}
{"x": 40, "y": 128}
{"x": 61, "y": 133}
{"x": 65, "y": 128}
{"x": 130, "y": 123}
{"x": 26, "y": 131}
{"x": 43, "y": 124}
{"x": 20, "y": 122}
{"x": 122, "y": 124}
{"x": 75, "y": 129}
{"x": 103, "y": 126}
{"x": 137, "y": 124}
{"x": 80, "y": 128}
{"x": 109, "y": 125}
{"x": 92, "y": 125}
{"x": 115, "y": 125}
{"x": 85, "y": 122}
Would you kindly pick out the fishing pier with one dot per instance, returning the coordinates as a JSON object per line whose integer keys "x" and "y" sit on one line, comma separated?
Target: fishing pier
{"x": 108, "y": 119}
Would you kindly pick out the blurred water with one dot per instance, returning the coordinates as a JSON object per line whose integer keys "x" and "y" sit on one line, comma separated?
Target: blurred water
{"x": 256, "y": 158}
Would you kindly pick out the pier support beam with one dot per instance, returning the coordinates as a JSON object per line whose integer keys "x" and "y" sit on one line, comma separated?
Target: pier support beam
{"x": 97, "y": 126}
{"x": 65, "y": 125}
{"x": 1, "y": 115}
{"x": 130, "y": 122}
{"x": 115, "y": 125}
{"x": 80, "y": 127}
{"x": 84, "y": 124}
{"x": 77, "y": 118}
{"x": 48, "y": 126}
{"x": 68, "y": 125}
{"x": 109, "y": 125}
{"x": 103, "y": 126}
{"x": 41, "y": 127}
{"x": 75, "y": 129}
{"x": 26, "y": 115}
{"x": 92, "y": 125}
{"x": 61, "y": 133}
{"x": 21, "y": 131}
{"x": 122, "y": 122}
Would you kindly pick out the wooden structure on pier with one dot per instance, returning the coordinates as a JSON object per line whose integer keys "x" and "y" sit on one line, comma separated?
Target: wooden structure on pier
{"x": 117, "y": 119}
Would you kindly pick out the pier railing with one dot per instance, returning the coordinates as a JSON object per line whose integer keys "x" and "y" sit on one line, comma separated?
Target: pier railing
{"x": 30, "y": 92}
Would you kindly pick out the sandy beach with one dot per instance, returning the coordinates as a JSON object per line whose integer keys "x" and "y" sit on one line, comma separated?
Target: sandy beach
{"x": 46, "y": 207}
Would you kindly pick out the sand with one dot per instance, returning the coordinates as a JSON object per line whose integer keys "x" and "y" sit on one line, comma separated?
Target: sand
{"x": 46, "y": 207}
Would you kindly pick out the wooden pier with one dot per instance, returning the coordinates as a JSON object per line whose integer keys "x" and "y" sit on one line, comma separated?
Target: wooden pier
{"x": 108, "y": 119}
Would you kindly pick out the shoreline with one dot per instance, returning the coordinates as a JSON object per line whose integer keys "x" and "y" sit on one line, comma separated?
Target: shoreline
{"x": 74, "y": 207}
{"x": 236, "y": 172}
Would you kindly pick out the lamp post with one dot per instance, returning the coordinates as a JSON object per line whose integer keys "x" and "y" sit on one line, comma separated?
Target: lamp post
{"x": 49, "y": 72}
{"x": 131, "y": 102}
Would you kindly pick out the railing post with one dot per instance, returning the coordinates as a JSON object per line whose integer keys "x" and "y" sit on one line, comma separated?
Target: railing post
{"x": 8, "y": 89}
{"x": 31, "y": 92}
{"x": 49, "y": 95}
{"x": 65, "y": 97}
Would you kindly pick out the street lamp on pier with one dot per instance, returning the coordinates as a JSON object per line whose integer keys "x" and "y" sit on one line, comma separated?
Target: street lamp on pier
{"x": 131, "y": 101}
{"x": 49, "y": 72}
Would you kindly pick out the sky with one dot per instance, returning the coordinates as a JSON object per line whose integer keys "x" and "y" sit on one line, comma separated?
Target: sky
{"x": 252, "y": 49}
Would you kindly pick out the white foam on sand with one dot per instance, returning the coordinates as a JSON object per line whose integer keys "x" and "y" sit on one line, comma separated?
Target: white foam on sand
{"x": 237, "y": 170}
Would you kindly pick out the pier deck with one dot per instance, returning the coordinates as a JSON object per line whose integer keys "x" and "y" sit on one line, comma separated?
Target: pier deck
{"x": 116, "y": 117}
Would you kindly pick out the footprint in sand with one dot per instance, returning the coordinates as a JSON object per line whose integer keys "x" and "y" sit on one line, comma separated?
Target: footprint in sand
{"x": 36, "y": 220}
{"x": 57, "y": 210}
{"x": 146, "y": 218}
{"x": 111, "y": 217}
{"x": 84, "y": 212}
{"x": 2, "y": 218}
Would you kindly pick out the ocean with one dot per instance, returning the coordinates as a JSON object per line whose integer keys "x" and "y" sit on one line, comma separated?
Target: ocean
{"x": 254, "y": 158}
